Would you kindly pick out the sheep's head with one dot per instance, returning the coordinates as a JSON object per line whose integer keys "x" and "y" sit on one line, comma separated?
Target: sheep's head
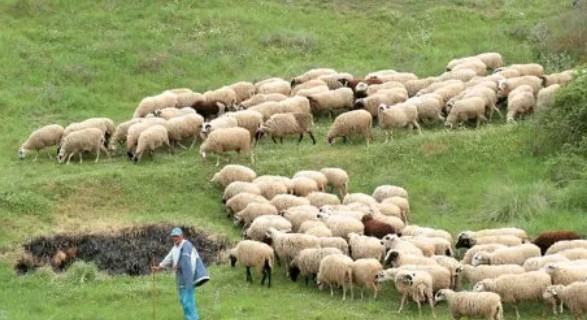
{"x": 322, "y": 215}
{"x": 440, "y": 295}
{"x": 382, "y": 107}
{"x": 21, "y": 153}
{"x": 464, "y": 240}
{"x": 293, "y": 272}
{"x": 237, "y": 220}
{"x": 232, "y": 258}
{"x": 206, "y": 128}
{"x": 359, "y": 104}
{"x": 550, "y": 268}
{"x": 61, "y": 155}
{"x": 259, "y": 134}
{"x": 482, "y": 285}
{"x": 552, "y": 292}
{"x": 391, "y": 257}
{"x": 385, "y": 275}
{"x": 246, "y": 235}
{"x": 366, "y": 218}
{"x": 294, "y": 82}
{"x": 480, "y": 258}
{"x": 409, "y": 278}
{"x": 344, "y": 82}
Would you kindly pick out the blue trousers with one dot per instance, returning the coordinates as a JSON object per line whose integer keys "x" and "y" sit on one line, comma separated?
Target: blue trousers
{"x": 188, "y": 302}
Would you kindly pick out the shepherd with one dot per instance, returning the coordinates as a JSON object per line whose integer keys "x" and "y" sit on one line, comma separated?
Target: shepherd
{"x": 189, "y": 270}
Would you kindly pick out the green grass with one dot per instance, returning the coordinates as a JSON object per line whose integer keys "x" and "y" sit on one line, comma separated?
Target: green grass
{"x": 64, "y": 61}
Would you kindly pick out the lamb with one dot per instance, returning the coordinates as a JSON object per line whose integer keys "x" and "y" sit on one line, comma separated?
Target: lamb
{"x": 363, "y": 247}
{"x": 514, "y": 288}
{"x": 234, "y": 172}
{"x": 307, "y": 262}
{"x": 336, "y": 269}
{"x": 421, "y": 283}
{"x": 90, "y": 139}
{"x": 364, "y": 274}
{"x": 469, "y": 254}
{"x": 398, "y": 116}
{"x": 281, "y": 125}
{"x": 40, "y": 139}
{"x": 310, "y": 75}
{"x": 396, "y": 259}
{"x": 357, "y": 122}
{"x": 472, "y": 108}
{"x": 237, "y": 187}
{"x": 545, "y": 97}
{"x": 475, "y": 274}
{"x": 260, "y": 98}
{"x": 565, "y": 275}
{"x": 243, "y": 89}
{"x": 550, "y": 298}
{"x": 377, "y": 229}
{"x": 285, "y": 201}
{"x": 388, "y": 97}
{"x": 225, "y": 95}
{"x": 218, "y": 123}
{"x": 341, "y": 226}
{"x": 252, "y": 211}
{"x": 247, "y": 119}
{"x": 330, "y": 101}
{"x": 258, "y": 229}
{"x": 288, "y": 245}
{"x": 338, "y": 179}
{"x": 152, "y": 138}
{"x": 230, "y": 139}
{"x": 277, "y": 86}
{"x": 547, "y": 238}
{"x": 511, "y": 255}
{"x": 392, "y": 241}
{"x": 271, "y": 188}
{"x": 184, "y": 127}
{"x": 538, "y": 263}
{"x": 254, "y": 254}
{"x": 334, "y": 242}
{"x": 560, "y": 78}
{"x": 241, "y": 201}
{"x": 574, "y": 296}
{"x": 304, "y": 186}
{"x": 149, "y": 104}
{"x": 318, "y": 199}
{"x": 520, "y": 103}
{"x": 472, "y": 304}
{"x": 566, "y": 244}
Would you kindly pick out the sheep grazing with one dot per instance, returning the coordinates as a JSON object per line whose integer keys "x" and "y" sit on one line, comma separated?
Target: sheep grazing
{"x": 466, "y": 109}
{"x": 186, "y": 97}
{"x": 506, "y": 240}
{"x": 234, "y": 172}
{"x": 387, "y": 191}
{"x": 476, "y": 274}
{"x": 315, "y": 228}
{"x": 225, "y": 95}
{"x": 413, "y": 86}
{"x": 121, "y": 131}
{"x": 258, "y": 229}
{"x": 243, "y": 89}
{"x": 565, "y": 275}
{"x": 311, "y": 75}
{"x": 90, "y": 139}
{"x": 298, "y": 214}
{"x": 520, "y": 102}
{"x": 341, "y": 226}
{"x": 374, "y": 228}
{"x": 152, "y": 138}
{"x": 288, "y": 245}
{"x": 169, "y": 113}
{"x": 240, "y": 201}
{"x": 529, "y": 69}
{"x": 574, "y": 254}
{"x": 363, "y": 247}
{"x": 510, "y": 255}
{"x": 218, "y": 123}
{"x": 397, "y": 258}
{"x": 304, "y": 186}
{"x": 149, "y": 104}
{"x": 492, "y": 60}
{"x": 40, "y": 139}
{"x": 403, "y": 204}
{"x": 493, "y": 232}
{"x": 574, "y": 296}
{"x": 560, "y": 78}
{"x": 252, "y": 211}
{"x": 550, "y": 298}
{"x": 330, "y": 101}
{"x": 276, "y": 86}
{"x": 311, "y": 84}
{"x": 184, "y": 127}
{"x": 260, "y": 98}
{"x": 547, "y": 238}
{"x": 105, "y": 125}
{"x": 352, "y": 83}
{"x": 401, "y": 115}
{"x": 307, "y": 262}
{"x": 229, "y": 139}
{"x": 472, "y": 304}
{"x": 420, "y": 283}
{"x": 393, "y": 241}
{"x": 545, "y": 97}
{"x": 357, "y": 122}
{"x": 282, "y": 125}
{"x": 388, "y": 97}
{"x": 270, "y": 189}
{"x": 285, "y": 201}
{"x": 537, "y": 263}
{"x": 338, "y": 179}
{"x": 508, "y": 85}
{"x": 470, "y": 253}
{"x": 319, "y": 199}
{"x": 365, "y": 273}
{"x": 565, "y": 245}
{"x": 135, "y": 130}
{"x": 209, "y": 109}
{"x": 254, "y": 254}
{"x": 237, "y": 187}
{"x": 336, "y": 270}
{"x": 515, "y": 288}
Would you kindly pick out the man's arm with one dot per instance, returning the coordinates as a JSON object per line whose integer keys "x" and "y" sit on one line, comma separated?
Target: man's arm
{"x": 166, "y": 262}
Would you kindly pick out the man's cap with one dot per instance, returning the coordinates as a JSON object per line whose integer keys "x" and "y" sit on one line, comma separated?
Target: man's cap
{"x": 176, "y": 232}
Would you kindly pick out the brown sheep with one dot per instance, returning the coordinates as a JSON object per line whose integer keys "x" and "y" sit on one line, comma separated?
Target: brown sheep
{"x": 375, "y": 228}
{"x": 547, "y": 238}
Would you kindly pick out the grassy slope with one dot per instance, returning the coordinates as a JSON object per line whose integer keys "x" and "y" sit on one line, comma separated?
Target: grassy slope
{"x": 67, "y": 60}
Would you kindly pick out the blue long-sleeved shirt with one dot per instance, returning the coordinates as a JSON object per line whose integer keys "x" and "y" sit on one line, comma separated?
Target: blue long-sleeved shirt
{"x": 182, "y": 256}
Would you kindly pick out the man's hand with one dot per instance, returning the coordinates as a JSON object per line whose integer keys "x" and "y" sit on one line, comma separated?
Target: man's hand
{"x": 156, "y": 268}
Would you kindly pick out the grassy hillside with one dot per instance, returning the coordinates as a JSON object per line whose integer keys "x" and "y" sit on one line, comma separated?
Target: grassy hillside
{"x": 65, "y": 61}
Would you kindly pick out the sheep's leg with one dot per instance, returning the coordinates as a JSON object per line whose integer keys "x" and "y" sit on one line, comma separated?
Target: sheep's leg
{"x": 387, "y": 134}
{"x": 312, "y": 137}
{"x": 249, "y": 277}
{"x": 264, "y": 276}
{"x": 252, "y": 158}
{"x": 343, "y": 292}
{"x": 49, "y": 154}
{"x": 69, "y": 158}
{"x": 181, "y": 145}
{"x": 561, "y": 308}
{"x": 431, "y": 302}
{"x": 307, "y": 280}
{"x": 361, "y": 293}
{"x": 217, "y": 160}
{"x": 517, "y": 312}
{"x": 419, "y": 306}
{"x": 269, "y": 277}
{"x": 418, "y": 127}
{"x": 105, "y": 151}
{"x": 301, "y": 137}
{"x": 274, "y": 141}
{"x": 98, "y": 155}
{"x": 193, "y": 142}
{"x": 401, "y": 305}
{"x": 344, "y": 139}
{"x": 331, "y": 291}
{"x": 81, "y": 159}
{"x": 281, "y": 140}
{"x": 498, "y": 111}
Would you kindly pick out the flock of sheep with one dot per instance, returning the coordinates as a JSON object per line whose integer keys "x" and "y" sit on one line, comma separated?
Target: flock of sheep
{"x": 346, "y": 239}
{"x": 231, "y": 118}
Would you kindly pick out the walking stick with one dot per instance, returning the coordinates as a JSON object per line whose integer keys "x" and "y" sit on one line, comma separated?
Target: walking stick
{"x": 154, "y": 290}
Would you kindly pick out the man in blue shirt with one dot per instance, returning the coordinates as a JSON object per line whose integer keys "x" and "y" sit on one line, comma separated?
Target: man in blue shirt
{"x": 182, "y": 258}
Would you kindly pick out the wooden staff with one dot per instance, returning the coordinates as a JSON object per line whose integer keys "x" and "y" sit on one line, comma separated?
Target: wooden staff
{"x": 154, "y": 290}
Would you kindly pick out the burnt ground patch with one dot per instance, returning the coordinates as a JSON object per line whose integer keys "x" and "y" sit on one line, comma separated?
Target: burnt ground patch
{"x": 126, "y": 251}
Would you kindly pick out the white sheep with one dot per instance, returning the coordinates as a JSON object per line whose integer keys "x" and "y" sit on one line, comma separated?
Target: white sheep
{"x": 413, "y": 86}
{"x": 514, "y": 288}
{"x": 254, "y": 254}
{"x": 357, "y": 122}
{"x": 520, "y": 103}
{"x": 429, "y": 107}
{"x": 493, "y": 60}
{"x": 401, "y": 115}
{"x": 574, "y": 296}
{"x": 149, "y": 104}
{"x": 311, "y": 74}
{"x": 252, "y": 211}
{"x": 237, "y": 187}
{"x": 472, "y": 108}
{"x": 315, "y": 175}
{"x": 151, "y": 139}
{"x": 319, "y": 199}
{"x": 386, "y": 191}
{"x": 560, "y": 78}
{"x": 297, "y": 215}
{"x": 550, "y": 297}
{"x": 244, "y": 90}
{"x": 334, "y": 242}
{"x": 288, "y": 245}
{"x": 304, "y": 186}
{"x": 247, "y": 119}
{"x": 478, "y": 67}
{"x": 470, "y": 253}
{"x": 403, "y": 204}
{"x": 397, "y": 258}
{"x": 277, "y": 86}
{"x": 510, "y": 255}
{"x": 234, "y": 172}
{"x": 271, "y": 188}
{"x": 529, "y": 69}
{"x": 184, "y": 127}
{"x": 392, "y": 241}
{"x": 169, "y": 113}
{"x": 341, "y": 226}
{"x": 472, "y": 304}
{"x": 388, "y": 97}
{"x": 311, "y": 84}
{"x": 316, "y": 228}
{"x": 363, "y": 247}
{"x": 364, "y": 274}
{"x": 221, "y": 122}
{"x": 565, "y": 275}
{"x": 359, "y": 197}
{"x": 224, "y": 95}
{"x": 330, "y": 101}
{"x": 307, "y": 262}
{"x": 421, "y": 284}
{"x": 258, "y": 229}
{"x": 574, "y": 254}
{"x": 537, "y": 263}
{"x": 121, "y": 131}
{"x": 463, "y": 75}
{"x": 336, "y": 269}
{"x": 135, "y": 130}
{"x": 90, "y": 139}
{"x": 416, "y": 230}
{"x": 260, "y": 98}
{"x": 520, "y": 233}
{"x": 285, "y": 201}
{"x": 283, "y": 125}
{"x": 546, "y": 96}
{"x": 507, "y": 85}
{"x": 475, "y": 274}
{"x": 565, "y": 245}
{"x": 40, "y": 139}
{"x": 186, "y": 97}
{"x": 229, "y": 139}
{"x": 240, "y": 201}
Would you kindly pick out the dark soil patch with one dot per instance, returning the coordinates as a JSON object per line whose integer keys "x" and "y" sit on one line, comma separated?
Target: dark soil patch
{"x": 126, "y": 251}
